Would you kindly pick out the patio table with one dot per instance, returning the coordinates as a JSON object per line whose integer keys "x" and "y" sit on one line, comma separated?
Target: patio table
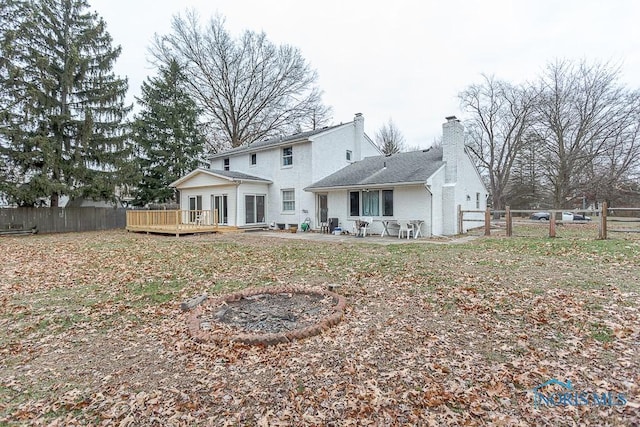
{"x": 385, "y": 226}
{"x": 417, "y": 227}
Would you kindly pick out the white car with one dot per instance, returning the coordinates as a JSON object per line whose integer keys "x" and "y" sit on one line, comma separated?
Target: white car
{"x": 570, "y": 216}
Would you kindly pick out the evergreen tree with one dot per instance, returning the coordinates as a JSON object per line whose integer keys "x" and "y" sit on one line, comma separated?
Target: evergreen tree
{"x": 166, "y": 134}
{"x": 61, "y": 129}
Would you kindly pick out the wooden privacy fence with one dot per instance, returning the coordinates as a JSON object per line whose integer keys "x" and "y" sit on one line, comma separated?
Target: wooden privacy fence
{"x": 63, "y": 220}
{"x": 606, "y": 223}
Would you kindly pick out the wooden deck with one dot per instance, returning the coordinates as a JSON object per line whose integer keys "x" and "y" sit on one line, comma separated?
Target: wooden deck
{"x": 176, "y": 222}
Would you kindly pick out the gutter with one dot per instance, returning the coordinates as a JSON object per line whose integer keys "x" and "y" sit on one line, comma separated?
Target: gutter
{"x": 362, "y": 185}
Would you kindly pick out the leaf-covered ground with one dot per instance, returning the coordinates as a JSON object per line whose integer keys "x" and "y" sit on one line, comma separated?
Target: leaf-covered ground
{"x": 91, "y": 331}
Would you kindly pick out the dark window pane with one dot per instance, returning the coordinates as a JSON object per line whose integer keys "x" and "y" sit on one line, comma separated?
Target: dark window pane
{"x": 354, "y": 203}
{"x": 249, "y": 209}
{"x": 287, "y": 156}
{"x": 387, "y": 202}
{"x": 259, "y": 208}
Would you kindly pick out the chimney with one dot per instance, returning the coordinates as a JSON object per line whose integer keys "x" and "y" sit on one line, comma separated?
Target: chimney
{"x": 358, "y": 139}
{"x": 452, "y": 147}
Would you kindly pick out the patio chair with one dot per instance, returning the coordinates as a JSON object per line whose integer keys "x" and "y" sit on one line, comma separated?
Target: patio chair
{"x": 362, "y": 225}
{"x": 405, "y": 228}
{"x": 199, "y": 220}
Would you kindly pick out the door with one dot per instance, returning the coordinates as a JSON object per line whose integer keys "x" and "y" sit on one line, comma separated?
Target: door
{"x": 195, "y": 206}
{"x": 254, "y": 205}
{"x": 323, "y": 210}
{"x": 220, "y": 204}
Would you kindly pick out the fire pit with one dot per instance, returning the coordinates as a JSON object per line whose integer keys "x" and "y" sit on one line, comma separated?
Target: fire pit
{"x": 266, "y": 315}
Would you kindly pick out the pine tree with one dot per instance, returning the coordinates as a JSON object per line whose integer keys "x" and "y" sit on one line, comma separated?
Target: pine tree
{"x": 61, "y": 128}
{"x": 166, "y": 135}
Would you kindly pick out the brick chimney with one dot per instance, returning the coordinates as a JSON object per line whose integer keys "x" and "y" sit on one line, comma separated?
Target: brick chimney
{"x": 452, "y": 147}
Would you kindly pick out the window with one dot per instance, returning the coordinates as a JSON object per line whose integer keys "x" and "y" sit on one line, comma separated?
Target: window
{"x": 287, "y": 156}
{"x": 226, "y": 164}
{"x": 349, "y": 155}
{"x": 253, "y": 159}
{"x": 477, "y": 200}
{"x": 387, "y": 202}
{"x": 354, "y": 203}
{"x": 371, "y": 203}
{"x": 288, "y": 200}
{"x": 254, "y": 209}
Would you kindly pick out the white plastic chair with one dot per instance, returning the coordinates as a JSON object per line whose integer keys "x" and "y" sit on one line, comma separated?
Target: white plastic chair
{"x": 361, "y": 225}
{"x": 405, "y": 228}
{"x": 365, "y": 223}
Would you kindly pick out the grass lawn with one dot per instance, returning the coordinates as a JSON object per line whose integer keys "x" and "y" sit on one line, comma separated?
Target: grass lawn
{"x": 91, "y": 331}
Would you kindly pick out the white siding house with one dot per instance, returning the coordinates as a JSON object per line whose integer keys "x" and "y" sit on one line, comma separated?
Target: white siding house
{"x": 274, "y": 173}
{"x": 425, "y": 186}
{"x": 337, "y": 172}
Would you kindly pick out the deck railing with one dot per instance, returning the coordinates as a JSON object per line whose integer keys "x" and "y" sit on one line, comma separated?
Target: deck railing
{"x": 178, "y": 219}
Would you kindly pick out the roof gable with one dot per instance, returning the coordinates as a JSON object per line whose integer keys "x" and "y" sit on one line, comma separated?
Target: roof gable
{"x": 230, "y": 176}
{"x": 400, "y": 168}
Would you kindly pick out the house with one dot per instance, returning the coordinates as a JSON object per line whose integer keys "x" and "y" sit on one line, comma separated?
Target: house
{"x": 262, "y": 184}
{"x": 425, "y": 186}
{"x": 337, "y": 172}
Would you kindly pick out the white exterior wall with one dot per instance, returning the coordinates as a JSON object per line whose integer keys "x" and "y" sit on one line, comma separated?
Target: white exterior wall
{"x": 269, "y": 166}
{"x": 470, "y": 184}
{"x": 245, "y": 189}
{"x": 409, "y": 203}
{"x": 462, "y": 182}
{"x": 207, "y": 200}
{"x": 322, "y": 155}
{"x": 312, "y": 161}
{"x": 216, "y": 187}
{"x": 437, "y": 214}
{"x": 462, "y": 193}
{"x": 330, "y": 151}
{"x": 338, "y": 204}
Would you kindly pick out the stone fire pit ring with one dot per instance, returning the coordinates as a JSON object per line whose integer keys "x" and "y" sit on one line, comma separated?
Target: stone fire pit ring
{"x": 205, "y": 324}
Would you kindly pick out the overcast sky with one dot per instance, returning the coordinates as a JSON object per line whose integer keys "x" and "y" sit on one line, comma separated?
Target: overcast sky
{"x": 404, "y": 60}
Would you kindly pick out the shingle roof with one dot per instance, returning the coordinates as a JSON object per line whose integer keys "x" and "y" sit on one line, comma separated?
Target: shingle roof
{"x": 302, "y": 136}
{"x": 230, "y": 175}
{"x": 410, "y": 167}
{"x": 236, "y": 175}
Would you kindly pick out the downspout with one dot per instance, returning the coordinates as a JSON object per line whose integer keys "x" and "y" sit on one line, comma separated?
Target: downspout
{"x": 238, "y": 182}
{"x": 426, "y": 186}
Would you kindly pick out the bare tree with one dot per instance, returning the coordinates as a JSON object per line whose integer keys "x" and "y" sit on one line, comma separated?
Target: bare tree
{"x": 587, "y": 124}
{"x": 389, "y": 138}
{"x": 614, "y": 174}
{"x": 248, "y": 88}
{"x": 500, "y": 118}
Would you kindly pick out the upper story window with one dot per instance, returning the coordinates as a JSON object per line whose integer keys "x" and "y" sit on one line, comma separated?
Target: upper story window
{"x": 225, "y": 163}
{"x": 349, "y": 155}
{"x": 287, "y": 156}
{"x": 253, "y": 159}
